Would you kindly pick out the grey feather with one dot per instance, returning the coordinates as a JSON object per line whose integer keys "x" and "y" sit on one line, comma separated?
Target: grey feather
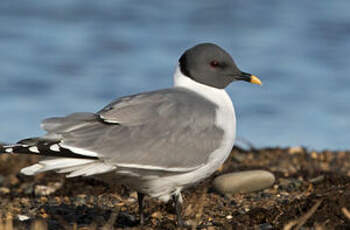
{"x": 68, "y": 123}
{"x": 171, "y": 128}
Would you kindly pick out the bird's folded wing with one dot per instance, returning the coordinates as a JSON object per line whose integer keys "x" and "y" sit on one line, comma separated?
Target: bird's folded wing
{"x": 171, "y": 130}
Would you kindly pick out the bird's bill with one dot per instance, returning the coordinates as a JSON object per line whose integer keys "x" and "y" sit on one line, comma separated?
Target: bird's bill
{"x": 250, "y": 78}
{"x": 255, "y": 80}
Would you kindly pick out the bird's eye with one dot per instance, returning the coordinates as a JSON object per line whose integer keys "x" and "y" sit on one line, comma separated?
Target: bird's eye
{"x": 214, "y": 64}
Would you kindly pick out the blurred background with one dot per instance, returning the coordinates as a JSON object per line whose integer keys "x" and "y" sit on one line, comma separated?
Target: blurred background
{"x": 60, "y": 57}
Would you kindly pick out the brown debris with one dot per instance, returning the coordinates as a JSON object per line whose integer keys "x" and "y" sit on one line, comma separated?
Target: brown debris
{"x": 302, "y": 220}
{"x": 346, "y": 212}
{"x": 303, "y": 180}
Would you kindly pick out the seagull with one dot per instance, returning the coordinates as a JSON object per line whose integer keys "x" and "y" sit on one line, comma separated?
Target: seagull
{"x": 159, "y": 142}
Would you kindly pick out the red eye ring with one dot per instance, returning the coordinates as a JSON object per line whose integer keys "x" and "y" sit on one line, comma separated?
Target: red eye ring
{"x": 214, "y": 64}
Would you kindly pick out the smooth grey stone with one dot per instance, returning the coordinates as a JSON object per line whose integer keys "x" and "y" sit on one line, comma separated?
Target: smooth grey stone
{"x": 243, "y": 182}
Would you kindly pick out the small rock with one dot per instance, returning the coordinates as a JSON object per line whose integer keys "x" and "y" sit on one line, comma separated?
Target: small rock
{"x": 289, "y": 185}
{"x": 23, "y": 217}
{"x": 156, "y": 214}
{"x": 265, "y": 226}
{"x": 28, "y": 188}
{"x": 4, "y": 190}
{"x": 132, "y": 197}
{"x": 44, "y": 199}
{"x": 314, "y": 155}
{"x": 244, "y": 182}
{"x": 80, "y": 200}
{"x": 295, "y": 150}
{"x": 43, "y": 190}
{"x": 317, "y": 180}
{"x": 25, "y": 202}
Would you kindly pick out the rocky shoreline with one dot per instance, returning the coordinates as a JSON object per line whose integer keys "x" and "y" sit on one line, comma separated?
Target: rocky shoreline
{"x": 311, "y": 190}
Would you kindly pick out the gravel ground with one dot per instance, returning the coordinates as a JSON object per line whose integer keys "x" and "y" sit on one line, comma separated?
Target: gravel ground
{"x": 312, "y": 191}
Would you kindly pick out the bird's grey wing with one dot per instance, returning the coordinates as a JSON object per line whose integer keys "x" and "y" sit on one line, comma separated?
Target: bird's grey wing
{"x": 65, "y": 124}
{"x": 134, "y": 110}
{"x": 171, "y": 130}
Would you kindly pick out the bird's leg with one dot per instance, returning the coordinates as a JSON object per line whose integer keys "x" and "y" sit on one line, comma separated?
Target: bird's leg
{"x": 140, "y": 197}
{"x": 177, "y": 198}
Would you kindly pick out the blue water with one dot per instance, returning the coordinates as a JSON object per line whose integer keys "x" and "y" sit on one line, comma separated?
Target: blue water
{"x": 59, "y": 57}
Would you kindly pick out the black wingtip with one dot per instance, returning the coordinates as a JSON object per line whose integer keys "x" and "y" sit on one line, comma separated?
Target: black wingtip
{"x": 41, "y": 147}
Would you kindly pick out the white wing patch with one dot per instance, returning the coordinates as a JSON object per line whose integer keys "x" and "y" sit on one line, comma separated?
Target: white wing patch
{"x": 79, "y": 151}
{"x": 31, "y": 170}
{"x": 34, "y": 149}
{"x": 53, "y": 164}
{"x": 151, "y": 167}
{"x": 9, "y": 150}
{"x": 55, "y": 148}
{"x": 108, "y": 121}
{"x": 73, "y": 166}
{"x": 91, "y": 169}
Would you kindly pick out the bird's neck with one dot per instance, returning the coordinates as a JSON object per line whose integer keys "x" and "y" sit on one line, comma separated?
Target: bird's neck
{"x": 211, "y": 93}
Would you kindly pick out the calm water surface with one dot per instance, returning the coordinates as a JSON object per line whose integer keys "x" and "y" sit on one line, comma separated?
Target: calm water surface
{"x": 59, "y": 57}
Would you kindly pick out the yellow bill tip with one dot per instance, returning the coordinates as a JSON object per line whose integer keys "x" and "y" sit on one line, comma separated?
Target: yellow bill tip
{"x": 255, "y": 80}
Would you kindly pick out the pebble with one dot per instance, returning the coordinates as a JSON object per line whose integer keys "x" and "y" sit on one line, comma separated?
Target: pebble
{"x": 43, "y": 190}
{"x": 314, "y": 155}
{"x": 4, "y": 190}
{"x": 317, "y": 180}
{"x": 156, "y": 214}
{"x": 243, "y": 182}
{"x": 295, "y": 150}
{"x": 23, "y": 217}
{"x": 27, "y": 188}
{"x": 265, "y": 226}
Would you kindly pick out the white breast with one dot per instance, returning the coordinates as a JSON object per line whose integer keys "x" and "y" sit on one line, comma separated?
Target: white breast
{"x": 225, "y": 119}
{"x": 225, "y": 114}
